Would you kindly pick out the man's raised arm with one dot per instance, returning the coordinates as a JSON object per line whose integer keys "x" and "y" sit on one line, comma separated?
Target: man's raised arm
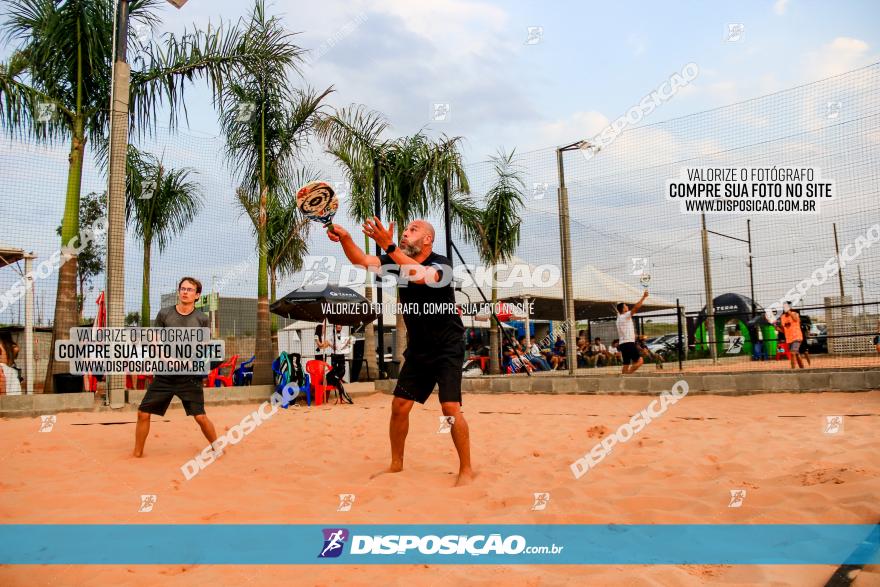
{"x": 354, "y": 253}
{"x": 639, "y": 303}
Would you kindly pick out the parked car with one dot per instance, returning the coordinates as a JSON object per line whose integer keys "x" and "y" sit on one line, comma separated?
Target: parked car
{"x": 663, "y": 344}
{"x": 817, "y": 339}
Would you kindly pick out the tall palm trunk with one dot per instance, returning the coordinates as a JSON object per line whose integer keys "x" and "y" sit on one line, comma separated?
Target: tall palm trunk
{"x": 66, "y": 300}
{"x": 263, "y": 350}
{"x": 81, "y": 297}
{"x": 273, "y": 283}
{"x": 145, "y": 284}
{"x": 370, "y": 354}
{"x": 494, "y": 351}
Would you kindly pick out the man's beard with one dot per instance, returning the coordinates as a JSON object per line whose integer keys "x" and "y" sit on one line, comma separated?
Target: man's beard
{"x": 411, "y": 249}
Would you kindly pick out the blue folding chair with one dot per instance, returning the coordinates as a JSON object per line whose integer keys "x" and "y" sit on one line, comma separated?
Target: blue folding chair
{"x": 285, "y": 372}
{"x": 244, "y": 375}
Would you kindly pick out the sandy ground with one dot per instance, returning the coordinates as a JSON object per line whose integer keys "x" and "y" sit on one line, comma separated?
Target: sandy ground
{"x": 291, "y": 469}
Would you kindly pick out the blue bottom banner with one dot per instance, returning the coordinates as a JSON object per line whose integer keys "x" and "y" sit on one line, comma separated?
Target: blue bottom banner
{"x": 560, "y": 544}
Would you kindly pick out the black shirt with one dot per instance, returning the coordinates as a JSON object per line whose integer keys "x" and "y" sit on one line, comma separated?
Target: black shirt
{"x": 428, "y": 310}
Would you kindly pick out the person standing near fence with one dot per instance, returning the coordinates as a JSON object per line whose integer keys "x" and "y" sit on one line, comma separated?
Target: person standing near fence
{"x": 790, "y": 325}
{"x": 341, "y": 345}
{"x": 626, "y": 331}
{"x": 760, "y": 354}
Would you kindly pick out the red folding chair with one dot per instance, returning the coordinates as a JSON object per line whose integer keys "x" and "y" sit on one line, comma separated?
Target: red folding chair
{"x": 216, "y": 379}
{"x": 782, "y": 351}
{"x": 317, "y": 371}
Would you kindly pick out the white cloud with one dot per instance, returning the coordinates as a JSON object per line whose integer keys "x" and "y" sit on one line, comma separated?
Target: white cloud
{"x": 579, "y": 125}
{"x": 780, "y": 6}
{"x": 839, "y": 56}
{"x": 461, "y": 27}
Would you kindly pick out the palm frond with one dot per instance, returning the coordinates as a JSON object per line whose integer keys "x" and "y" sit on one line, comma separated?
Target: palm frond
{"x": 162, "y": 201}
{"x": 499, "y": 228}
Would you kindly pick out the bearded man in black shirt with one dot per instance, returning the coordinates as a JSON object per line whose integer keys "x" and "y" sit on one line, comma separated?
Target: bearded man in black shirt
{"x": 435, "y": 334}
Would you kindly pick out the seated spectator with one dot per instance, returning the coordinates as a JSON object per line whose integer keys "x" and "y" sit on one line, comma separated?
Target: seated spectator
{"x": 560, "y": 342}
{"x": 561, "y": 355}
{"x": 600, "y": 353}
{"x": 614, "y": 352}
{"x": 583, "y": 352}
{"x": 511, "y": 361}
{"x": 534, "y": 355}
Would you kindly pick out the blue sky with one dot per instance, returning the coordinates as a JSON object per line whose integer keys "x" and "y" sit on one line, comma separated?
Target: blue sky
{"x": 592, "y": 63}
{"x": 594, "y": 59}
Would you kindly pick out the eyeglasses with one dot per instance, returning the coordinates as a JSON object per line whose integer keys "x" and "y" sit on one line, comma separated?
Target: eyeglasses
{"x": 187, "y": 289}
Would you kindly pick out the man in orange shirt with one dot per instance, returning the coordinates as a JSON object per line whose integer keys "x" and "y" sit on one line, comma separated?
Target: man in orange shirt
{"x": 790, "y": 325}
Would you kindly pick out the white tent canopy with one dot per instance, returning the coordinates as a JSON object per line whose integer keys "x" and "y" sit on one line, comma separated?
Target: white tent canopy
{"x": 595, "y": 293}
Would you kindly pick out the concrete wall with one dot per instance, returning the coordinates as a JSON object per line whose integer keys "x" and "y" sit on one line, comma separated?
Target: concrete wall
{"x": 724, "y": 384}
{"x": 36, "y": 404}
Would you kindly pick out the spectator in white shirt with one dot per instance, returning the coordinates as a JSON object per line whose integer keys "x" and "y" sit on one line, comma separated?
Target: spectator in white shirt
{"x": 339, "y": 347}
{"x": 600, "y": 352}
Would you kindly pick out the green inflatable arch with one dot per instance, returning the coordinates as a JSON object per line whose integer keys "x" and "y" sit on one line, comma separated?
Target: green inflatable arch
{"x": 733, "y": 307}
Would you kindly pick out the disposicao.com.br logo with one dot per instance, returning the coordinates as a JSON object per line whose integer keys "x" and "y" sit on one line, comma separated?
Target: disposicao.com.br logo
{"x": 452, "y": 544}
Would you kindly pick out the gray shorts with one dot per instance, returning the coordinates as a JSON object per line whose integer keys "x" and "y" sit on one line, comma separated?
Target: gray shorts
{"x": 795, "y": 347}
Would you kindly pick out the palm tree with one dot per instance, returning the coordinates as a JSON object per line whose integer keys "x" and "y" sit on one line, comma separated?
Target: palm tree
{"x": 286, "y": 236}
{"x": 56, "y": 86}
{"x": 353, "y": 137}
{"x": 415, "y": 169}
{"x": 161, "y": 202}
{"x": 266, "y": 122}
{"x": 412, "y": 172}
{"x": 498, "y": 230}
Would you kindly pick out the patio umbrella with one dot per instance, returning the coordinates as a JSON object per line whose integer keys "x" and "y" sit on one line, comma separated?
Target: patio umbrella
{"x": 336, "y": 305}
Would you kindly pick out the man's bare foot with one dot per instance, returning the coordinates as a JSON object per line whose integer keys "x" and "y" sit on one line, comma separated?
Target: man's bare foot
{"x": 394, "y": 468}
{"x": 137, "y": 455}
{"x": 464, "y": 478}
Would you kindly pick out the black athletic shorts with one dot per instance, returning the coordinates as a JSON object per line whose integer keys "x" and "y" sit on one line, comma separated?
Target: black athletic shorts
{"x": 159, "y": 395}
{"x": 422, "y": 370}
{"x": 630, "y": 352}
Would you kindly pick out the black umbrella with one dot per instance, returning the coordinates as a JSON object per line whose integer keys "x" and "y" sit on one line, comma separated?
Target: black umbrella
{"x": 336, "y": 305}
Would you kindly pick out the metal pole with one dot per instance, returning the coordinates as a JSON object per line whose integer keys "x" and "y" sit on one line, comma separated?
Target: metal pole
{"x": 861, "y": 288}
{"x": 116, "y": 196}
{"x": 29, "y": 371}
{"x": 446, "y": 219}
{"x": 751, "y": 269}
{"x": 377, "y": 210}
{"x": 527, "y": 324}
{"x": 678, "y": 319}
{"x": 840, "y": 267}
{"x": 211, "y": 308}
{"x": 710, "y": 300}
{"x": 565, "y": 244}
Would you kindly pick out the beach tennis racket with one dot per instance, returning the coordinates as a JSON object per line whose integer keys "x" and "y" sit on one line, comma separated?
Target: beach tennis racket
{"x": 645, "y": 280}
{"x": 318, "y": 202}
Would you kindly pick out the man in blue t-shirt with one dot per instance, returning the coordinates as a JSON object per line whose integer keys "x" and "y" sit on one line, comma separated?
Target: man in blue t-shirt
{"x": 435, "y": 334}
